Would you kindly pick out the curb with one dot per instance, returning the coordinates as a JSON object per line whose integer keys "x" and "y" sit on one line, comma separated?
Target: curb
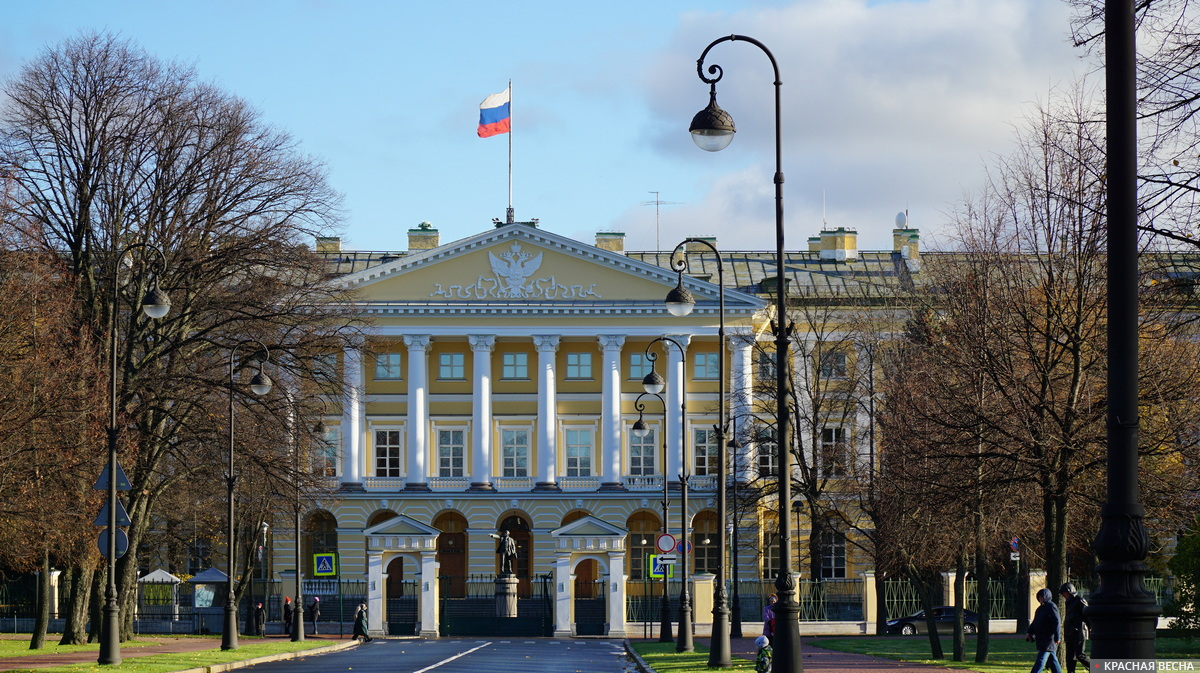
{"x": 218, "y": 668}
{"x": 637, "y": 658}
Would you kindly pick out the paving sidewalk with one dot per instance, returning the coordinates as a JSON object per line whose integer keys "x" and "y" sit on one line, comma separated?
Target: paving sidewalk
{"x": 166, "y": 645}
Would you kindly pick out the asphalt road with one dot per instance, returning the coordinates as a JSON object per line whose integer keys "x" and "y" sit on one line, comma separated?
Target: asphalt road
{"x": 466, "y": 655}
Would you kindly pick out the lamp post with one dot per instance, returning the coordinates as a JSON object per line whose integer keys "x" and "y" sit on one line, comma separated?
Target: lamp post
{"x": 156, "y": 304}
{"x": 259, "y": 385}
{"x": 680, "y": 302}
{"x": 654, "y": 383}
{"x": 640, "y": 429}
{"x": 712, "y": 129}
{"x": 735, "y": 626}
{"x": 1123, "y": 613}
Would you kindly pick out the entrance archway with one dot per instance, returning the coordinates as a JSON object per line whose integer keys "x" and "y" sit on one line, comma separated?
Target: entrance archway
{"x": 452, "y": 552}
{"x": 401, "y": 596}
{"x": 590, "y": 604}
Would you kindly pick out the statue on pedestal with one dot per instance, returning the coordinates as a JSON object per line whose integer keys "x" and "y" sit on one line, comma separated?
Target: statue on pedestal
{"x": 506, "y": 549}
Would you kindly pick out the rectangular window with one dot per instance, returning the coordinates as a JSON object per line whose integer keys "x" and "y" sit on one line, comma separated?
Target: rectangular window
{"x": 833, "y": 365}
{"x": 578, "y": 450}
{"x": 579, "y": 365}
{"x": 768, "y": 458}
{"x": 514, "y": 366}
{"x": 514, "y": 446}
{"x": 704, "y": 451}
{"x": 387, "y": 366}
{"x": 452, "y": 366}
{"x": 325, "y": 366}
{"x": 639, "y": 366}
{"x": 833, "y": 452}
{"x": 707, "y": 366}
{"x": 642, "y": 454}
{"x": 328, "y": 449}
{"x": 451, "y": 452}
{"x": 770, "y": 549}
{"x": 833, "y": 555}
{"x": 764, "y": 365}
{"x": 389, "y": 453}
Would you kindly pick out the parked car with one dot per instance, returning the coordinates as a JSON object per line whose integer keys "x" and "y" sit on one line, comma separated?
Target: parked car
{"x": 942, "y": 616}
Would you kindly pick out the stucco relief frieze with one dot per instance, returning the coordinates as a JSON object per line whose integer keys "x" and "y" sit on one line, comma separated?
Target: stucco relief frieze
{"x": 513, "y": 278}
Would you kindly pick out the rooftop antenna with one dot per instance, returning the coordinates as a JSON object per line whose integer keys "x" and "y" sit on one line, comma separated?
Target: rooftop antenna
{"x": 657, "y": 203}
{"x": 824, "y": 222}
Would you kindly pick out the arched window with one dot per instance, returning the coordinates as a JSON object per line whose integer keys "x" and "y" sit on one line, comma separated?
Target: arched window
{"x": 644, "y": 528}
{"x": 452, "y": 552}
{"x": 380, "y": 516}
{"x": 706, "y": 551}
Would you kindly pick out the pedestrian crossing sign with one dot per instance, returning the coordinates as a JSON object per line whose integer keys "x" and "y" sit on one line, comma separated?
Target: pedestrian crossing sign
{"x": 324, "y": 565}
{"x": 660, "y": 564}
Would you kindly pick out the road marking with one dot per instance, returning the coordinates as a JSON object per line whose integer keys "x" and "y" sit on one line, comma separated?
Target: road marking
{"x": 446, "y": 661}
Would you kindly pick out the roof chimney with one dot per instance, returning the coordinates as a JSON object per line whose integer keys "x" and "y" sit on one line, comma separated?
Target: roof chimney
{"x": 424, "y": 237}
{"x": 613, "y": 241}
{"x": 329, "y": 244}
{"x": 693, "y": 246}
{"x": 839, "y": 245}
{"x": 814, "y": 244}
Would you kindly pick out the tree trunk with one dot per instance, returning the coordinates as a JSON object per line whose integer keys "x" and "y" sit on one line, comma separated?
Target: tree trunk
{"x": 926, "y": 583}
{"x": 75, "y": 621}
{"x": 96, "y": 603}
{"x": 983, "y": 590}
{"x": 881, "y": 613}
{"x": 960, "y": 595}
{"x": 41, "y": 621}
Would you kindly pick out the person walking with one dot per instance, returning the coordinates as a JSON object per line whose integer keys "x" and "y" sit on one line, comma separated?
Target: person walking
{"x": 260, "y": 620}
{"x": 314, "y": 611}
{"x": 1044, "y": 632}
{"x": 1075, "y": 628}
{"x": 287, "y": 615}
{"x": 360, "y": 623}
{"x": 769, "y": 618}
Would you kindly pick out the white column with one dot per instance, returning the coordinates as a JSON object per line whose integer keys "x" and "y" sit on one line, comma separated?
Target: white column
{"x": 352, "y": 418}
{"x": 417, "y": 477}
{"x": 428, "y": 628}
{"x": 375, "y": 588}
{"x": 741, "y": 391}
{"x": 563, "y": 605}
{"x": 616, "y": 594}
{"x": 674, "y": 376}
{"x": 547, "y": 348}
{"x": 481, "y": 410}
{"x": 610, "y": 412}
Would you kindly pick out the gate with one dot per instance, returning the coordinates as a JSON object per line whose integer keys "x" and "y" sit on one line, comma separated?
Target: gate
{"x": 468, "y": 607}
{"x": 402, "y": 608}
{"x": 590, "y": 607}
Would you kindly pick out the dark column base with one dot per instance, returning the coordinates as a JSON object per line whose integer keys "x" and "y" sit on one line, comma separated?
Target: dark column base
{"x": 546, "y": 486}
{"x": 482, "y": 486}
{"x": 352, "y": 487}
{"x": 611, "y": 486}
{"x": 418, "y": 488}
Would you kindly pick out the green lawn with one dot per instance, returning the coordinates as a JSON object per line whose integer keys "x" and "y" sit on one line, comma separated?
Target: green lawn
{"x": 158, "y": 663}
{"x": 663, "y": 658}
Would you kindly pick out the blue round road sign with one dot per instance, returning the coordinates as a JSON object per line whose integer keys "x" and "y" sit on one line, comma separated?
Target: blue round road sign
{"x": 122, "y": 542}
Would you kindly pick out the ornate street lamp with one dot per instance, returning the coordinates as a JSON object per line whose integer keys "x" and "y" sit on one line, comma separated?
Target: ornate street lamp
{"x": 1123, "y": 613}
{"x": 680, "y": 302}
{"x": 654, "y": 384}
{"x": 640, "y": 429}
{"x": 259, "y": 385}
{"x": 156, "y": 304}
{"x": 712, "y": 129}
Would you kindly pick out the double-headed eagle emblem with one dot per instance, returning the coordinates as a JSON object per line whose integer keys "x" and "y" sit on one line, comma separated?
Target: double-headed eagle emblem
{"x": 513, "y": 268}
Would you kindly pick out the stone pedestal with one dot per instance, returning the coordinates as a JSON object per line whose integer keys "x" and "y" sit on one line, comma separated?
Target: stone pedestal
{"x": 506, "y": 595}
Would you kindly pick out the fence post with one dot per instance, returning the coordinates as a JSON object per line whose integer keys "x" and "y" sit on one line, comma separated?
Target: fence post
{"x": 869, "y": 609}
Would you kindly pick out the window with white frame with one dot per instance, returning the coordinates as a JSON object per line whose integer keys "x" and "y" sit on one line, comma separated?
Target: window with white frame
{"x": 514, "y": 366}
{"x": 578, "y": 450}
{"x": 833, "y": 554}
{"x": 833, "y": 451}
{"x": 639, "y": 366}
{"x": 452, "y": 366}
{"x": 643, "y": 452}
{"x": 387, "y": 366}
{"x": 579, "y": 365}
{"x": 451, "y": 447}
{"x": 704, "y": 451}
{"x": 769, "y": 546}
{"x": 768, "y": 456}
{"x": 514, "y": 449}
{"x": 706, "y": 366}
{"x": 327, "y": 452}
{"x": 764, "y": 365}
{"x": 389, "y": 452}
{"x": 833, "y": 364}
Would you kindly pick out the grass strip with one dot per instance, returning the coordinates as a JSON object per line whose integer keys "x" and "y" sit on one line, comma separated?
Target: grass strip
{"x": 167, "y": 663}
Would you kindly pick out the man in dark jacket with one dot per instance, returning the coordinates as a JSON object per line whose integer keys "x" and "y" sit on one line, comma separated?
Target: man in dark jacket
{"x": 1044, "y": 631}
{"x": 1075, "y": 628}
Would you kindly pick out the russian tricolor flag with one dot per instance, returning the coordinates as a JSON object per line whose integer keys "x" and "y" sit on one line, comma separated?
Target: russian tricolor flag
{"x": 494, "y": 115}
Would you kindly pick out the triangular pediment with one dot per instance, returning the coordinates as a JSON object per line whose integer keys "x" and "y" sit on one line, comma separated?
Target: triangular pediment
{"x": 402, "y": 525}
{"x": 519, "y": 265}
{"x": 591, "y": 527}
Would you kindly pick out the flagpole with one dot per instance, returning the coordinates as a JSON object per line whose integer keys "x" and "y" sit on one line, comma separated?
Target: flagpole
{"x": 510, "y": 216}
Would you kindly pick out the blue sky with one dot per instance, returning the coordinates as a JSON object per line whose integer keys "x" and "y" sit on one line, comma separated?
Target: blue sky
{"x": 887, "y": 105}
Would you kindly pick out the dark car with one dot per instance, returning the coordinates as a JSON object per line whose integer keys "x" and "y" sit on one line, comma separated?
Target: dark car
{"x": 943, "y": 617}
